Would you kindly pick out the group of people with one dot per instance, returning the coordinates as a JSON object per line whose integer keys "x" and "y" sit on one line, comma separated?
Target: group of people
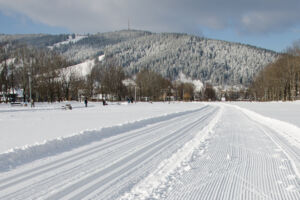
{"x": 86, "y": 102}
{"x": 130, "y": 99}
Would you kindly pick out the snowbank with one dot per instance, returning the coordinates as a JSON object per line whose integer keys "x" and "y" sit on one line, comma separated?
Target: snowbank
{"x": 22, "y": 126}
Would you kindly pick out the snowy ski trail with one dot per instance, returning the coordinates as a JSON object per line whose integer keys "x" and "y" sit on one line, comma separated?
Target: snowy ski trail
{"x": 241, "y": 162}
{"x": 215, "y": 152}
{"x": 104, "y": 169}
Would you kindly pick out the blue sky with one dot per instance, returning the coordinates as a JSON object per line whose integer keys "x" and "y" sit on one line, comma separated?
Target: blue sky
{"x": 20, "y": 24}
{"x": 270, "y": 24}
{"x": 277, "y": 41}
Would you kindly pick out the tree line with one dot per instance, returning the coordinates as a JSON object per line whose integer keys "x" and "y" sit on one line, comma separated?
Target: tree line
{"x": 32, "y": 71}
{"x": 108, "y": 79}
{"x": 44, "y": 75}
{"x": 279, "y": 80}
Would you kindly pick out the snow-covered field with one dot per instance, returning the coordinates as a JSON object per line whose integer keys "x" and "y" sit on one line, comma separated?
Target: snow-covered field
{"x": 151, "y": 151}
{"x": 285, "y": 111}
{"x": 22, "y": 126}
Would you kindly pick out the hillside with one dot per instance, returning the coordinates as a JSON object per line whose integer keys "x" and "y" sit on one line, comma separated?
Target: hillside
{"x": 170, "y": 54}
{"x": 222, "y": 63}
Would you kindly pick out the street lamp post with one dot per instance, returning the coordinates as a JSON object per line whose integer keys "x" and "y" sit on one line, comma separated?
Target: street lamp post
{"x": 30, "y": 80}
{"x": 169, "y": 91}
{"x": 135, "y": 94}
{"x": 29, "y": 77}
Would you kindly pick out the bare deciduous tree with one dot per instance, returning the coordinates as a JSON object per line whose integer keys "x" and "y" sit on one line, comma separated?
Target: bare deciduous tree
{"x": 279, "y": 80}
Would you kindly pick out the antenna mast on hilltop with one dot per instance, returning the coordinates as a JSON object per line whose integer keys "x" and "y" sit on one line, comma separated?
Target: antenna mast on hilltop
{"x": 128, "y": 24}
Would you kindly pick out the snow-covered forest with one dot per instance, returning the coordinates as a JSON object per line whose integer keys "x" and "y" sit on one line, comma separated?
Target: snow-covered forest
{"x": 219, "y": 62}
{"x": 169, "y": 54}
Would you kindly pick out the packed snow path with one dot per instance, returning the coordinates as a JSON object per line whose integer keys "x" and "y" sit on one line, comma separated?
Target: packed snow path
{"x": 244, "y": 160}
{"x": 215, "y": 152}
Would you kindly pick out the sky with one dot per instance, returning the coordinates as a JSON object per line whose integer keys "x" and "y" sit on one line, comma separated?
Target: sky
{"x": 270, "y": 24}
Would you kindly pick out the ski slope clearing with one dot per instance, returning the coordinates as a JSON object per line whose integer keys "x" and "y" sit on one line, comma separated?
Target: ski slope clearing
{"x": 69, "y": 40}
{"x": 81, "y": 69}
{"x": 205, "y": 151}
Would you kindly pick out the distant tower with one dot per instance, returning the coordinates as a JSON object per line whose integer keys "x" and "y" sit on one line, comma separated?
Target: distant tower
{"x": 128, "y": 24}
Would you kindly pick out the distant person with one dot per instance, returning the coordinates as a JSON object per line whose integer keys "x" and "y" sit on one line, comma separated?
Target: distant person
{"x": 32, "y": 103}
{"x": 85, "y": 102}
{"x": 104, "y": 102}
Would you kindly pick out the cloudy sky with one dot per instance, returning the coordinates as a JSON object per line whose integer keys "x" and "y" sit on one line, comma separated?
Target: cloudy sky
{"x": 272, "y": 24}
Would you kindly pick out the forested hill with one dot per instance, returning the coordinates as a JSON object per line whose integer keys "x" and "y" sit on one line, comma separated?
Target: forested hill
{"x": 220, "y": 62}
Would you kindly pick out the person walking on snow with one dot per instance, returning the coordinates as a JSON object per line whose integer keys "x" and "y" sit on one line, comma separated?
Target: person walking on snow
{"x": 32, "y": 103}
{"x": 85, "y": 102}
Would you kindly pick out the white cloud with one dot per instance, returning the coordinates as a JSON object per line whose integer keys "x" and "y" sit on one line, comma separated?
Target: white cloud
{"x": 267, "y": 21}
{"x": 247, "y": 16}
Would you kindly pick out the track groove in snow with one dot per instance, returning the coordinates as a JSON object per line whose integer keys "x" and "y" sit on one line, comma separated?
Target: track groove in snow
{"x": 286, "y": 136}
{"x": 177, "y": 162}
{"x": 241, "y": 162}
{"x": 127, "y": 156}
{"x": 19, "y": 156}
{"x": 190, "y": 155}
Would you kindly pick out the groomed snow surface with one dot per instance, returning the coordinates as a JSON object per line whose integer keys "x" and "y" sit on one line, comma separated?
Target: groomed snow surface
{"x": 150, "y": 151}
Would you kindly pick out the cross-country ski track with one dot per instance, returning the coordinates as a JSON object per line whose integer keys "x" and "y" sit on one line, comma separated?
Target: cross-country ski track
{"x": 217, "y": 151}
